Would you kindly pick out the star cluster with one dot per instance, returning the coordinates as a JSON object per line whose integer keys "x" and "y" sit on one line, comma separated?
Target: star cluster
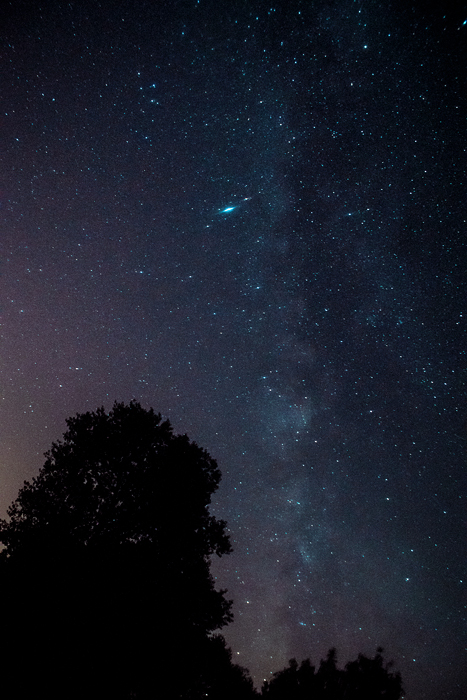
{"x": 251, "y": 216}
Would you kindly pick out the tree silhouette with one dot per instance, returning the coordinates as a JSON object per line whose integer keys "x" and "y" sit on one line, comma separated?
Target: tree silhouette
{"x": 363, "y": 679}
{"x": 370, "y": 678}
{"x": 106, "y": 564}
{"x": 221, "y": 679}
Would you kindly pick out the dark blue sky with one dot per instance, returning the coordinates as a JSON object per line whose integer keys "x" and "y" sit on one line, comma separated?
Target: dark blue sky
{"x": 251, "y": 216}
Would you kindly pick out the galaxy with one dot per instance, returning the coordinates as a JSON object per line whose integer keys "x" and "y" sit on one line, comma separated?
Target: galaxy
{"x": 251, "y": 216}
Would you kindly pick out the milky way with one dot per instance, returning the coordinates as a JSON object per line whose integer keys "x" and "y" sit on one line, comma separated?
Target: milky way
{"x": 251, "y": 216}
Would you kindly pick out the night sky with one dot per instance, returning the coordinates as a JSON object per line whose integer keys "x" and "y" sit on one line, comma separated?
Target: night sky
{"x": 251, "y": 217}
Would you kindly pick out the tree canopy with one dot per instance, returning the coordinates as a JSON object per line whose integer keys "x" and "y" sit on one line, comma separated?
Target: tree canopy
{"x": 106, "y": 558}
{"x": 362, "y": 679}
{"x": 119, "y": 477}
{"x": 106, "y": 571}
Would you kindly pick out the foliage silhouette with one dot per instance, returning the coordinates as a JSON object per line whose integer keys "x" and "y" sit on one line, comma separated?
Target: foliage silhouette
{"x": 106, "y": 565}
{"x": 220, "y": 679}
{"x": 363, "y": 679}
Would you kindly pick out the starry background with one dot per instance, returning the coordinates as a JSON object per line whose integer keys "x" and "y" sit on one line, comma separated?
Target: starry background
{"x": 251, "y": 216}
